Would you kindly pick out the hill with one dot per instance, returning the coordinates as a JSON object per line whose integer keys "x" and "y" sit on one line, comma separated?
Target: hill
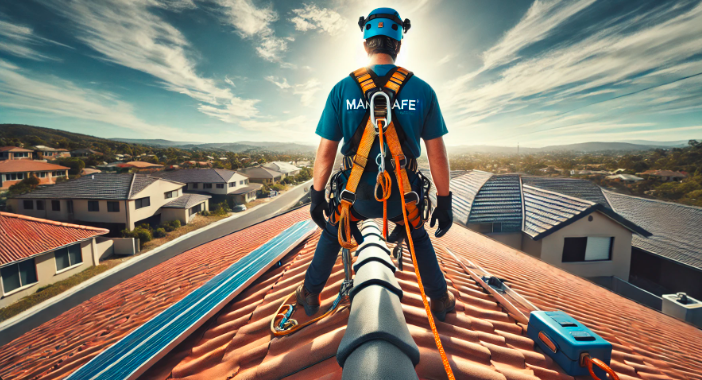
{"x": 234, "y": 147}
{"x": 587, "y": 147}
{"x": 29, "y": 132}
{"x": 154, "y": 142}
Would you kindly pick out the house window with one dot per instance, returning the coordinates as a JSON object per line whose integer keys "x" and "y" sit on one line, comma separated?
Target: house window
{"x": 170, "y": 194}
{"x": 112, "y": 206}
{"x": 94, "y": 206}
{"x": 206, "y": 185}
{"x": 232, "y": 184}
{"x": 241, "y": 182}
{"x": 196, "y": 209}
{"x": 142, "y": 202}
{"x": 55, "y": 205}
{"x": 587, "y": 249}
{"x": 40, "y": 205}
{"x": 69, "y": 206}
{"x": 28, "y": 205}
{"x": 68, "y": 257}
{"x": 41, "y": 174}
{"x": 195, "y": 185}
{"x": 220, "y": 186}
{"x": 18, "y": 275}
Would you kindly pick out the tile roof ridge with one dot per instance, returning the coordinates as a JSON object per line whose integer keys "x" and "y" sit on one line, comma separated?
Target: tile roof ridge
{"x": 591, "y": 203}
{"x": 131, "y": 186}
{"x": 53, "y": 222}
{"x": 605, "y": 192}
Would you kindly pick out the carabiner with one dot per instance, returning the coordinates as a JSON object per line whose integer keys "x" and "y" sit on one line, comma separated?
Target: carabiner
{"x": 388, "y": 117}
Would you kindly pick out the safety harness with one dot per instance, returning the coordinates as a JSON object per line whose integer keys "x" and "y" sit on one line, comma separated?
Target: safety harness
{"x": 377, "y": 122}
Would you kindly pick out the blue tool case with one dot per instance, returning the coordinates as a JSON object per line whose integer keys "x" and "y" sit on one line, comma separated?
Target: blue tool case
{"x": 565, "y": 340}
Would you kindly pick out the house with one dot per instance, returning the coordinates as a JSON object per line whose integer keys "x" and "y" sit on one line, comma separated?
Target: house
{"x": 14, "y": 171}
{"x": 484, "y": 339}
{"x": 84, "y": 152}
{"x": 664, "y": 175}
{"x": 197, "y": 164}
{"x": 15, "y": 153}
{"x": 216, "y": 182}
{"x": 185, "y": 207}
{"x": 670, "y": 260}
{"x": 48, "y": 153}
{"x": 626, "y": 178}
{"x": 564, "y": 222}
{"x": 287, "y": 169}
{"x": 112, "y": 201}
{"x": 261, "y": 174}
{"x": 89, "y": 171}
{"x": 37, "y": 252}
{"x": 112, "y": 167}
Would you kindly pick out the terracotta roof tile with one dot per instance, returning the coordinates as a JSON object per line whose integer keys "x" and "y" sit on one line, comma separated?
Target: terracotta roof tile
{"x": 24, "y": 236}
{"x": 482, "y": 340}
{"x": 16, "y": 166}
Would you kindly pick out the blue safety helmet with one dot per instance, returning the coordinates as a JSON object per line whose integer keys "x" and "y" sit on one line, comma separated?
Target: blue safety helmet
{"x": 384, "y": 22}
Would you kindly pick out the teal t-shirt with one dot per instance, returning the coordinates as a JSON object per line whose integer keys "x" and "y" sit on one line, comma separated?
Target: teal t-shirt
{"x": 417, "y": 111}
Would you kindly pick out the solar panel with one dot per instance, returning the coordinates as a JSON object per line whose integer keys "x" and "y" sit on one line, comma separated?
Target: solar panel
{"x": 136, "y": 352}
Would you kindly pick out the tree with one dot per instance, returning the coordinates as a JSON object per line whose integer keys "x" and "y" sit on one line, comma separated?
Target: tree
{"x": 75, "y": 164}
{"x": 26, "y": 185}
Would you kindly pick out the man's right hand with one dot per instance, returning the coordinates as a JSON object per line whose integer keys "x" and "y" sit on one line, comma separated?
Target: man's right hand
{"x": 319, "y": 207}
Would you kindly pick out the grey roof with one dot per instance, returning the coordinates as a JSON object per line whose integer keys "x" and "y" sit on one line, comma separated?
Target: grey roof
{"x": 579, "y": 188}
{"x": 464, "y": 189}
{"x": 545, "y": 210}
{"x": 95, "y": 186}
{"x": 261, "y": 172}
{"x": 499, "y": 201}
{"x": 187, "y": 201}
{"x": 282, "y": 167}
{"x": 676, "y": 228}
{"x": 197, "y": 175}
{"x": 247, "y": 189}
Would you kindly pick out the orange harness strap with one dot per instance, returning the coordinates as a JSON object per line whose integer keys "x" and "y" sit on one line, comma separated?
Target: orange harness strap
{"x": 411, "y": 208}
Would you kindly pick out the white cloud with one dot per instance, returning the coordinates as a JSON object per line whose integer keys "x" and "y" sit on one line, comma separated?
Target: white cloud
{"x": 250, "y": 21}
{"x": 310, "y": 17}
{"x": 307, "y": 91}
{"x": 229, "y": 81}
{"x": 276, "y": 81}
{"x": 602, "y": 66}
{"x": 21, "y": 89}
{"x": 20, "y": 41}
{"x": 447, "y": 58}
{"x": 233, "y": 112}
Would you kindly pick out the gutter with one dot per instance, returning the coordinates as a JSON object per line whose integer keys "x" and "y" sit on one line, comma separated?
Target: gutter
{"x": 377, "y": 343}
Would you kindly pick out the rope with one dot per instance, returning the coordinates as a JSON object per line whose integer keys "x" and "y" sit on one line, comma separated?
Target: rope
{"x": 384, "y": 181}
{"x": 410, "y": 243}
{"x": 589, "y": 362}
{"x": 281, "y": 325}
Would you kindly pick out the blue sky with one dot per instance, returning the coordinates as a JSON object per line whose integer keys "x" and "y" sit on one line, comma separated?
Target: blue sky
{"x": 506, "y": 72}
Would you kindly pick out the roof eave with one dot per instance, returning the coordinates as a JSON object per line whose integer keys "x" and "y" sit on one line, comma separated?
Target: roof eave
{"x": 595, "y": 207}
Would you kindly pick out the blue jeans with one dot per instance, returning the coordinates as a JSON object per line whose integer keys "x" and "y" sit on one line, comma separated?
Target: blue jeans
{"x": 328, "y": 248}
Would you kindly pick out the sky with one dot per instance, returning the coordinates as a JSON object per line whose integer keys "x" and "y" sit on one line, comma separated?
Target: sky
{"x": 505, "y": 72}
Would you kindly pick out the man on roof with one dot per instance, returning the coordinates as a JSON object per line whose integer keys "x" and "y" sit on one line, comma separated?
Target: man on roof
{"x": 347, "y": 116}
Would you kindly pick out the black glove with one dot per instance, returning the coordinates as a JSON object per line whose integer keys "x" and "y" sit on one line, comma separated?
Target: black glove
{"x": 319, "y": 207}
{"x": 398, "y": 234}
{"x": 444, "y": 214}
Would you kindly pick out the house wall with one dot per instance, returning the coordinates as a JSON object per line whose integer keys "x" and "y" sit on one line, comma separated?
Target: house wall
{"x": 102, "y": 249}
{"x": 47, "y": 274}
{"x": 14, "y": 156}
{"x": 156, "y": 192}
{"x": 512, "y": 239}
{"x": 49, "y": 179}
{"x": 600, "y": 226}
{"x": 662, "y": 276}
{"x": 530, "y": 246}
{"x": 241, "y": 199}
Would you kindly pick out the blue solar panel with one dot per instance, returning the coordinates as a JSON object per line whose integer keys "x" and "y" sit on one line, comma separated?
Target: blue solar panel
{"x": 143, "y": 346}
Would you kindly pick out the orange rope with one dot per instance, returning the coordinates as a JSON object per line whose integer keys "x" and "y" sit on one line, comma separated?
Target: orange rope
{"x": 588, "y": 361}
{"x": 437, "y": 338}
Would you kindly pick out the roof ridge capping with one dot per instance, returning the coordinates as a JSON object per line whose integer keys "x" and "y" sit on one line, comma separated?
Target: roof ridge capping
{"x": 53, "y": 222}
{"x": 608, "y": 192}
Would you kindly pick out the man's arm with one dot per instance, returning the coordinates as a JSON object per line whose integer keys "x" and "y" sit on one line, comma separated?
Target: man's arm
{"x": 324, "y": 162}
{"x": 438, "y": 164}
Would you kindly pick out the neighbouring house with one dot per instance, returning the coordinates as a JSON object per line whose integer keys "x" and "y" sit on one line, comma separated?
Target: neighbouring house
{"x": 84, "y": 152}
{"x": 564, "y": 222}
{"x": 140, "y": 165}
{"x": 112, "y": 201}
{"x": 37, "y": 252}
{"x": 15, "y": 153}
{"x": 670, "y": 260}
{"x": 664, "y": 175}
{"x": 113, "y": 167}
{"x": 14, "y": 171}
{"x": 626, "y": 178}
{"x": 89, "y": 171}
{"x": 287, "y": 169}
{"x": 185, "y": 207}
{"x": 303, "y": 163}
{"x": 217, "y": 182}
{"x": 261, "y": 174}
{"x": 43, "y": 152}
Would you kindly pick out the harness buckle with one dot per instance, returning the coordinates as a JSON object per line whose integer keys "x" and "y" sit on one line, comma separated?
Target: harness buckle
{"x": 388, "y": 116}
{"x": 403, "y": 162}
{"x": 412, "y": 196}
{"x": 348, "y": 196}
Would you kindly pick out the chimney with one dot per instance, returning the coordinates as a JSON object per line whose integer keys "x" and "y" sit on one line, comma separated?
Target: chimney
{"x": 683, "y": 307}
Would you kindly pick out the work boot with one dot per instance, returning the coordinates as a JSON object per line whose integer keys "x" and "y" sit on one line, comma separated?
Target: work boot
{"x": 443, "y": 305}
{"x": 308, "y": 300}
